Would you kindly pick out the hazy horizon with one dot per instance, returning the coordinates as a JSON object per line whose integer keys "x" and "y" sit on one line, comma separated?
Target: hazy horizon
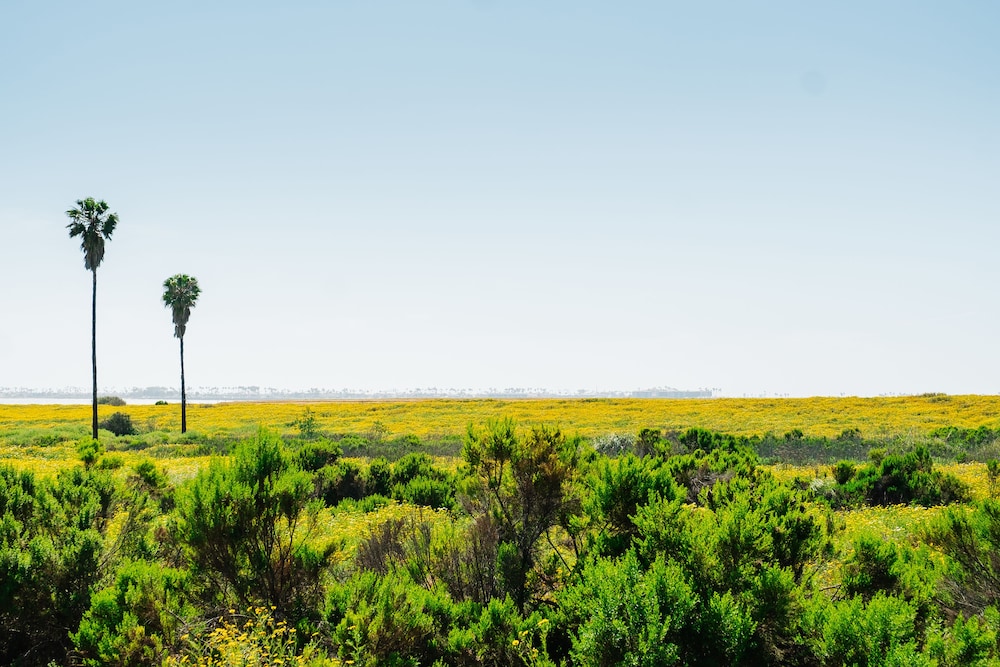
{"x": 779, "y": 199}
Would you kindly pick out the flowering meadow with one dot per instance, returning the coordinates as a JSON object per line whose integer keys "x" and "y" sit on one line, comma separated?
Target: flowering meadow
{"x": 588, "y": 417}
{"x": 478, "y": 532}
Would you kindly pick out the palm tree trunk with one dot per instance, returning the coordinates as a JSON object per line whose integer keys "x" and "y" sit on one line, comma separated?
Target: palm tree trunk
{"x": 93, "y": 349}
{"x": 184, "y": 423}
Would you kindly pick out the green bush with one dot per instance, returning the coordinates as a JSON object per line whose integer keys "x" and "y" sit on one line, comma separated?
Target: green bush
{"x": 878, "y": 632}
{"x": 89, "y": 450}
{"x": 893, "y": 479}
{"x": 618, "y": 489}
{"x": 970, "y": 538}
{"x": 523, "y": 484}
{"x": 247, "y": 522}
{"x": 137, "y": 619}
{"x": 619, "y": 614}
{"x": 425, "y": 491}
{"x": 111, "y": 400}
{"x": 843, "y": 472}
{"x": 118, "y": 423}
{"x": 54, "y": 551}
{"x": 315, "y": 455}
{"x": 388, "y": 621}
{"x": 339, "y": 482}
{"x": 379, "y": 477}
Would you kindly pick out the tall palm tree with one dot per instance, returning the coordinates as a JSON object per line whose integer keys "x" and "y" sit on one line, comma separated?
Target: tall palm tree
{"x": 180, "y": 293}
{"x": 91, "y": 221}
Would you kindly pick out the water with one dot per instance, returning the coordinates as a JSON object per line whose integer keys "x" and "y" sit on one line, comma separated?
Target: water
{"x": 5, "y": 400}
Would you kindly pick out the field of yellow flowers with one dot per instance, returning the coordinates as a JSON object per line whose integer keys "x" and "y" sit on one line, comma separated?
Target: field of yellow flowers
{"x": 588, "y": 417}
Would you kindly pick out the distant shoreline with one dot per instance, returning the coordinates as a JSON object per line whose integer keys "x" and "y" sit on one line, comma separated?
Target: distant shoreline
{"x": 270, "y": 396}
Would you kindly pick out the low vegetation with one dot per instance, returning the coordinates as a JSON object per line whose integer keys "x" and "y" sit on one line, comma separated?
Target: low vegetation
{"x": 532, "y": 544}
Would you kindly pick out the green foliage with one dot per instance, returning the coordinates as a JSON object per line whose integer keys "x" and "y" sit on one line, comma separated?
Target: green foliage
{"x": 970, "y": 538}
{"x": 744, "y": 554}
{"x": 111, "y": 400}
{"x": 308, "y": 425}
{"x": 342, "y": 481}
{"x": 135, "y": 620}
{"x": 698, "y": 472}
{"x": 247, "y": 525}
{"x": 843, "y": 472}
{"x": 968, "y": 642}
{"x": 618, "y": 489}
{"x": 118, "y": 423}
{"x": 180, "y": 293}
{"x": 415, "y": 480}
{"x": 622, "y": 615}
{"x": 53, "y": 550}
{"x": 388, "y": 621}
{"x": 970, "y": 438}
{"x": 315, "y": 455}
{"x": 89, "y": 450}
{"x": 379, "y": 477}
{"x": 555, "y": 556}
{"x": 524, "y": 485}
{"x": 893, "y": 479}
{"x": 871, "y": 568}
{"x": 993, "y": 477}
{"x": 695, "y": 439}
{"x": 647, "y": 442}
{"x": 426, "y": 491}
{"x": 44, "y": 437}
{"x": 868, "y": 634}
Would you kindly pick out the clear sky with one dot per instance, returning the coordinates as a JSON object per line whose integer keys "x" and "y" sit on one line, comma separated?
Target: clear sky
{"x": 785, "y": 197}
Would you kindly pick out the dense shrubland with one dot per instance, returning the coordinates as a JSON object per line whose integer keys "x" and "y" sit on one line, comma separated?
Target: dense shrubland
{"x": 536, "y": 548}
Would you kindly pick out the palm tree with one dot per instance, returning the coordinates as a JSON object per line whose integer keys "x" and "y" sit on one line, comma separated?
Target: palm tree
{"x": 180, "y": 293}
{"x": 93, "y": 224}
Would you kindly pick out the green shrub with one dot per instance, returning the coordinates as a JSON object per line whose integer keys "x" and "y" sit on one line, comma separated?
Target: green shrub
{"x": 110, "y": 400}
{"x": 523, "y": 484}
{"x": 379, "y": 477}
{"x": 246, "y": 523}
{"x": 308, "y": 425}
{"x": 54, "y": 551}
{"x": 414, "y": 464}
{"x": 843, "y": 472}
{"x": 893, "y": 479}
{"x": 89, "y": 450}
{"x": 315, "y": 455}
{"x": 118, "y": 423}
{"x": 967, "y": 642}
{"x": 339, "y": 482}
{"x": 388, "y": 621}
{"x": 111, "y": 462}
{"x": 352, "y": 445}
{"x": 621, "y": 615}
{"x": 618, "y": 489}
{"x": 426, "y": 491}
{"x": 137, "y": 619}
{"x": 878, "y": 632}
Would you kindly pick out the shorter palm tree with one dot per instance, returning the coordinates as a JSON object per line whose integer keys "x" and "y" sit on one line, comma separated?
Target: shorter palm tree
{"x": 180, "y": 293}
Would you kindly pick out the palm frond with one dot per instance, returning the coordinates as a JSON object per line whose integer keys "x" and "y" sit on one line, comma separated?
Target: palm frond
{"x": 91, "y": 221}
{"x": 180, "y": 292}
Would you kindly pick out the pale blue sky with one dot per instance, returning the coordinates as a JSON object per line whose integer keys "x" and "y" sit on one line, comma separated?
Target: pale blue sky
{"x": 781, "y": 197}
